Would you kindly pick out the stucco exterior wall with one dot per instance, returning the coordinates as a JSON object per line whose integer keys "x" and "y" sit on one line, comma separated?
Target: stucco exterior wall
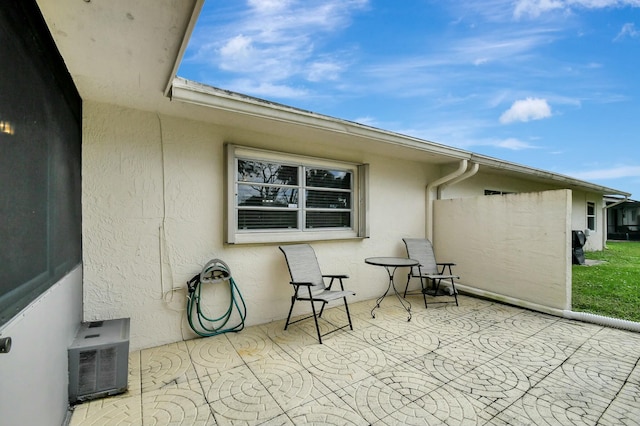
{"x": 596, "y": 238}
{"x": 481, "y": 181}
{"x": 517, "y": 245}
{"x": 153, "y": 204}
{"x": 476, "y": 186}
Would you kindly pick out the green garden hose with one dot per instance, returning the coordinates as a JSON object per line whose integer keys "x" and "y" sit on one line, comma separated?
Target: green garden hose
{"x": 215, "y": 271}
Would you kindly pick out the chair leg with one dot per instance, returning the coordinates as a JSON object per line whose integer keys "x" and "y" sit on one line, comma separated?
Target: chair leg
{"x": 346, "y": 308}
{"x": 293, "y": 301}
{"x": 424, "y": 295}
{"x": 315, "y": 318}
{"x": 455, "y": 292}
{"x": 407, "y": 286}
{"x": 322, "y": 309}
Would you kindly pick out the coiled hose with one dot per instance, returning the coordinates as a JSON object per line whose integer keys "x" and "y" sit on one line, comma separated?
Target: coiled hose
{"x": 215, "y": 271}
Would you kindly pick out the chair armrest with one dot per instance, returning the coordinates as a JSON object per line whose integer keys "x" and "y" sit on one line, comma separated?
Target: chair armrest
{"x": 336, "y": 276}
{"x": 306, "y": 284}
{"x": 446, "y": 265}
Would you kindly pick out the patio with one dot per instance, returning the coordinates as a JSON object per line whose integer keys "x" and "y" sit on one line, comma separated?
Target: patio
{"x": 479, "y": 363}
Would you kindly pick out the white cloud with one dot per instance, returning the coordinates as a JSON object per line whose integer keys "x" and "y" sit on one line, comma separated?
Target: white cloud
{"x": 513, "y": 144}
{"x": 616, "y": 172}
{"x": 269, "y": 6}
{"x": 237, "y": 51}
{"x": 324, "y": 70}
{"x": 535, "y": 8}
{"x": 526, "y": 110}
{"x": 273, "y": 41}
{"x": 265, "y": 89}
{"x": 628, "y": 30}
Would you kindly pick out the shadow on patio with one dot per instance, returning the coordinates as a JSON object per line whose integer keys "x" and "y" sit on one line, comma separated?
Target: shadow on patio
{"x": 479, "y": 363}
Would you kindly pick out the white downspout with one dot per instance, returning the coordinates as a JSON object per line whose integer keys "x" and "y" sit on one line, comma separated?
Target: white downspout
{"x": 430, "y": 196}
{"x": 466, "y": 175}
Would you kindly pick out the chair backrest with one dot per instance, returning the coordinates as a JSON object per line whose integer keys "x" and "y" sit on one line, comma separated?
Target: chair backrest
{"x": 303, "y": 265}
{"x": 421, "y": 250}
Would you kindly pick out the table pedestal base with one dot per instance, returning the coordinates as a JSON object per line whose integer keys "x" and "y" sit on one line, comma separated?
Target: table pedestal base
{"x": 391, "y": 270}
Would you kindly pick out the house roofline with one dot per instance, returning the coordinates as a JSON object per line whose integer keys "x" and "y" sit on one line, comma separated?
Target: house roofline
{"x": 546, "y": 175}
{"x": 212, "y": 97}
{"x": 201, "y": 94}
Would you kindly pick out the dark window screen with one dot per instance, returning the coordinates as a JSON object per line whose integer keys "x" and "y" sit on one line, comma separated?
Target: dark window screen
{"x": 40, "y": 136}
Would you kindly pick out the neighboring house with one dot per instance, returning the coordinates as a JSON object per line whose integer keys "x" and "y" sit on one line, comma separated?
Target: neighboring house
{"x": 174, "y": 173}
{"x": 623, "y": 219}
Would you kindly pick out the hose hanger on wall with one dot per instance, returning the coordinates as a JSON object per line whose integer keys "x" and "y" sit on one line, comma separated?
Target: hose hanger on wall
{"x": 214, "y": 272}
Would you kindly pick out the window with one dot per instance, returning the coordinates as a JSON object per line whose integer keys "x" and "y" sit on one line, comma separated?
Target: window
{"x": 40, "y": 154}
{"x": 591, "y": 216}
{"x": 274, "y": 197}
{"x": 494, "y": 192}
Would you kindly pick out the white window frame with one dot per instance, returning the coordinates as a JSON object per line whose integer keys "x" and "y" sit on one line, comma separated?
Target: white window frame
{"x": 593, "y": 216}
{"x": 360, "y": 210}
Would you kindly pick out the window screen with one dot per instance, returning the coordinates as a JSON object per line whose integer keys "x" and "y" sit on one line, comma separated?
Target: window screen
{"x": 40, "y": 133}
{"x": 268, "y": 196}
{"x": 283, "y": 197}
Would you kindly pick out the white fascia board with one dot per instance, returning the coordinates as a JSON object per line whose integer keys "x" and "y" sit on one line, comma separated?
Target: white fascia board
{"x": 195, "y": 13}
{"x": 546, "y": 175}
{"x": 195, "y": 93}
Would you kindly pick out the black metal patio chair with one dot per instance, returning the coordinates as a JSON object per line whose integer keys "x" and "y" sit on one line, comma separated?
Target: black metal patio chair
{"x": 421, "y": 249}
{"x": 309, "y": 285}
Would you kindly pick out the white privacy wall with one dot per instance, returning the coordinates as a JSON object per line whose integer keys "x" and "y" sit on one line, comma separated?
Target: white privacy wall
{"x": 515, "y": 247}
{"x": 489, "y": 181}
{"x": 153, "y": 205}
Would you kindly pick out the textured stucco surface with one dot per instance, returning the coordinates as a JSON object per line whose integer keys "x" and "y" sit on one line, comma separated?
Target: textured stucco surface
{"x": 482, "y": 181}
{"x": 153, "y": 215}
{"x": 153, "y": 205}
{"x": 515, "y": 245}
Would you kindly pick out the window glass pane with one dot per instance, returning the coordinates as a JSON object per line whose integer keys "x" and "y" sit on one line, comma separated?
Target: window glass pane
{"x": 267, "y": 196}
{"x": 328, "y": 220}
{"x": 328, "y": 199}
{"x": 322, "y": 178}
{"x": 267, "y": 219}
{"x": 263, "y": 172}
{"x": 591, "y": 209}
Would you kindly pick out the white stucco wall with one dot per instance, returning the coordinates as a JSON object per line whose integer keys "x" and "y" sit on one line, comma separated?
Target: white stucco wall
{"x": 482, "y": 181}
{"x": 153, "y": 209}
{"x": 516, "y": 246}
{"x": 595, "y": 240}
{"x": 34, "y": 374}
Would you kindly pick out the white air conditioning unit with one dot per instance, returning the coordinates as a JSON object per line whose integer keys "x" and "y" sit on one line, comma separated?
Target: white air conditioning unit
{"x": 99, "y": 360}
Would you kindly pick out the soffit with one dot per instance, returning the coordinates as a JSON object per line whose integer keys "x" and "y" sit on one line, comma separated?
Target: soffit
{"x": 120, "y": 52}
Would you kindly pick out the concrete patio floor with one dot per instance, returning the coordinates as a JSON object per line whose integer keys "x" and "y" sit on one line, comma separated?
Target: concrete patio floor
{"x": 479, "y": 363}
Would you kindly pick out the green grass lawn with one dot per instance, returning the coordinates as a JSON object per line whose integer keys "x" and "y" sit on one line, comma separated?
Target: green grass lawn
{"x": 612, "y": 288}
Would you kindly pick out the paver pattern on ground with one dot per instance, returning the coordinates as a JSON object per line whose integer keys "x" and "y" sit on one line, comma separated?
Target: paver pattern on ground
{"x": 480, "y": 363}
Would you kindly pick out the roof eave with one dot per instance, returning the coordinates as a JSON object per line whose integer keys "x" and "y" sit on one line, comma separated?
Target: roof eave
{"x": 184, "y": 90}
{"x": 199, "y": 94}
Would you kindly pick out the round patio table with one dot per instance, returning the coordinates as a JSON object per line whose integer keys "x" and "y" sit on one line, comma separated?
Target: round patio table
{"x": 391, "y": 264}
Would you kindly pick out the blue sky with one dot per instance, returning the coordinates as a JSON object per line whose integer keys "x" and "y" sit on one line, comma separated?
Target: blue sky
{"x": 551, "y": 84}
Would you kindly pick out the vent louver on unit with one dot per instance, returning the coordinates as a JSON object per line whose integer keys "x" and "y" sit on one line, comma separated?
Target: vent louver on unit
{"x": 98, "y": 360}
